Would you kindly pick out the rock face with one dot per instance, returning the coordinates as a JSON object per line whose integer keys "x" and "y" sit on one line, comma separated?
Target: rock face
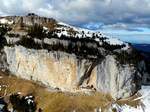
{"x": 55, "y": 69}
{"x": 67, "y": 72}
{"x": 28, "y": 20}
{"x": 114, "y": 78}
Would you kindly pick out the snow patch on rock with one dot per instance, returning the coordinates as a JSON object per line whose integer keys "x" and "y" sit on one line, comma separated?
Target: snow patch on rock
{"x": 5, "y": 21}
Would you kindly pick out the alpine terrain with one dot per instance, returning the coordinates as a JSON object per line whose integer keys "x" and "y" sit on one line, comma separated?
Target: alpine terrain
{"x": 49, "y": 66}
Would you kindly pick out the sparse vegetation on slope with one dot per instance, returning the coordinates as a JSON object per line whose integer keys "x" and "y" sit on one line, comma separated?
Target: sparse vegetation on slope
{"x": 55, "y": 101}
{"x": 36, "y": 31}
{"x": 29, "y": 43}
{"x": 124, "y": 57}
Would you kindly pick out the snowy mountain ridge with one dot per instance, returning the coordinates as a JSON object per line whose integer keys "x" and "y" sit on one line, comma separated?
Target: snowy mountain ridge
{"x": 90, "y": 33}
{"x": 63, "y": 29}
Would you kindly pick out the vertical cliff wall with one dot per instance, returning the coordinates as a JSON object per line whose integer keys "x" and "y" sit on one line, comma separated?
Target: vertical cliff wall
{"x": 70, "y": 73}
{"x": 115, "y": 78}
{"x": 54, "y": 69}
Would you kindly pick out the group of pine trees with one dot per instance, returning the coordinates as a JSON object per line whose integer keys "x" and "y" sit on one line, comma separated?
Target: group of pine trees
{"x": 3, "y": 30}
{"x": 128, "y": 58}
{"x": 82, "y": 49}
{"x": 20, "y": 104}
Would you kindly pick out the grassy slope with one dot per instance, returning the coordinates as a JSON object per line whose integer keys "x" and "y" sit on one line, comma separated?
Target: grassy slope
{"x": 55, "y": 101}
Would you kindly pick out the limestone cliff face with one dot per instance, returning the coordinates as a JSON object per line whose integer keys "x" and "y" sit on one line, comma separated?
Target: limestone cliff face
{"x": 69, "y": 73}
{"x": 54, "y": 69}
{"x": 115, "y": 78}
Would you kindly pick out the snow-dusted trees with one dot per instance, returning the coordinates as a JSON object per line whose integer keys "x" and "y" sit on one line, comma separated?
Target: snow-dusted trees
{"x": 23, "y": 104}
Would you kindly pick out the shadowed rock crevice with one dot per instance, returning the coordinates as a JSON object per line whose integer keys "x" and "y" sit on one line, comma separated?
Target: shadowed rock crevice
{"x": 88, "y": 71}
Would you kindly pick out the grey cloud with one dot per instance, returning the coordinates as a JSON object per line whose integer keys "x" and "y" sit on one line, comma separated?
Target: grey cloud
{"x": 81, "y": 12}
{"x": 121, "y": 26}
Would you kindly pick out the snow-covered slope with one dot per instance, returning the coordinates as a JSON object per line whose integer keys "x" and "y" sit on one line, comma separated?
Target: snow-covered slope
{"x": 5, "y": 21}
{"x": 85, "y": 33}
{"x": 145, "y": 102}
{"x": 64, "y": 29}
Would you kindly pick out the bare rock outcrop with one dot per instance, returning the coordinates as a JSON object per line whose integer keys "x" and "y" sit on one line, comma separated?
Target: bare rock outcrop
{"x": 67, "y": 72}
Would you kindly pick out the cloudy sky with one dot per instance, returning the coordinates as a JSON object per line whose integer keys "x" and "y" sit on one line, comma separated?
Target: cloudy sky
{"x": 126, "y": 19}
